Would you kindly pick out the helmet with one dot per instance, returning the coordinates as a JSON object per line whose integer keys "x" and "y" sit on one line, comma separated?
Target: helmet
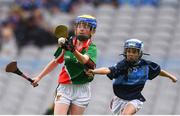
{"x": 87, "y": 19}
{"x": 134, "y": 43}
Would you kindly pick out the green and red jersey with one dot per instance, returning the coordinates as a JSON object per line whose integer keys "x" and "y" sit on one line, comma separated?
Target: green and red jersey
{"x": 73, "y": 71}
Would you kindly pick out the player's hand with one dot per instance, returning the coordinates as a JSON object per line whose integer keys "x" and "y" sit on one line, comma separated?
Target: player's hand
{"x": 90, "y": 73}
{"x": 68, "y": 45}
{"x": 35, "y": 81}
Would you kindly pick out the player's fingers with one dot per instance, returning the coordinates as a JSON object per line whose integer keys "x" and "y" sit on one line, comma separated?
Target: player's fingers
{"x": 35, "y": 85}
{"x": 91, "y": 74}
{"x": 35, "y": 82}
{"x": 88, "y": 73}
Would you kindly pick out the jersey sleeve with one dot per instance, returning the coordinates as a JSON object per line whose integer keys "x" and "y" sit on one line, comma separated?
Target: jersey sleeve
{"x": 113, "y": 72}
{"x": 59, "y": 53}
{"x": 117, "y": 69}
{"x": 154, "y": 70}
{"x": 92, "y": 52}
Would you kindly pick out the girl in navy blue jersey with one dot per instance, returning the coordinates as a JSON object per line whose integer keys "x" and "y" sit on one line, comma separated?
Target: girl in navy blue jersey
{"x": 129, "y": 77}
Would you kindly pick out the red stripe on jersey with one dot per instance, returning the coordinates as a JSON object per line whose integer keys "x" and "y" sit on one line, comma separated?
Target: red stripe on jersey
{"x": 64, "y": 77}
{"x": 85, "y": 44}
{"x": 60, "y": 58}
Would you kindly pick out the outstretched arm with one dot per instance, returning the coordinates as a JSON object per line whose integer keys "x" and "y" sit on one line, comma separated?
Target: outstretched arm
{"x": 101, "y": 71}
{"x": 168, "y": 75}
{"x": 45, "y": 71}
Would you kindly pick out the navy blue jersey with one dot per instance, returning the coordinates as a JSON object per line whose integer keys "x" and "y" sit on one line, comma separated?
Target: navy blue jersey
{"x": 129, "y": 80}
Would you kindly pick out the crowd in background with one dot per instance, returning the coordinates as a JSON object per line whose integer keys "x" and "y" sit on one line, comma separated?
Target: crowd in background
{"x": 26, "y": 21}
{"x": 69, "y": 5}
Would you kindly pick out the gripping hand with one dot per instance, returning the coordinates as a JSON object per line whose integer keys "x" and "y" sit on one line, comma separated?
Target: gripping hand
{"x": 68, "y": 45}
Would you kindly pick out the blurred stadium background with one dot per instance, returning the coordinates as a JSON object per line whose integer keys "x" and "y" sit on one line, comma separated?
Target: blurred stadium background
{"x": 26, "y": 28}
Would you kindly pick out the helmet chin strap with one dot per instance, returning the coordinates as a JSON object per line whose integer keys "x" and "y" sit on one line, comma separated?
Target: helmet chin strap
{"x": 83, "y": 37}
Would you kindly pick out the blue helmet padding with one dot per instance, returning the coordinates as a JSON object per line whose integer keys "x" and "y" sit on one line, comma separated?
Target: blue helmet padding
{"x": 133, "y": 43}
{"x": 90, "y": 21}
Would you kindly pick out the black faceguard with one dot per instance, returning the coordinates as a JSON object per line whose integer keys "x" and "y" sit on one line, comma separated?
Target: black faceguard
{"x": 83, "y": 37}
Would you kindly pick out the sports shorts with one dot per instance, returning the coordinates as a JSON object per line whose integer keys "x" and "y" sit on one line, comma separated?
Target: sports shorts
{"x": 78, "y": 94}
{"x": 117, "y": 105}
